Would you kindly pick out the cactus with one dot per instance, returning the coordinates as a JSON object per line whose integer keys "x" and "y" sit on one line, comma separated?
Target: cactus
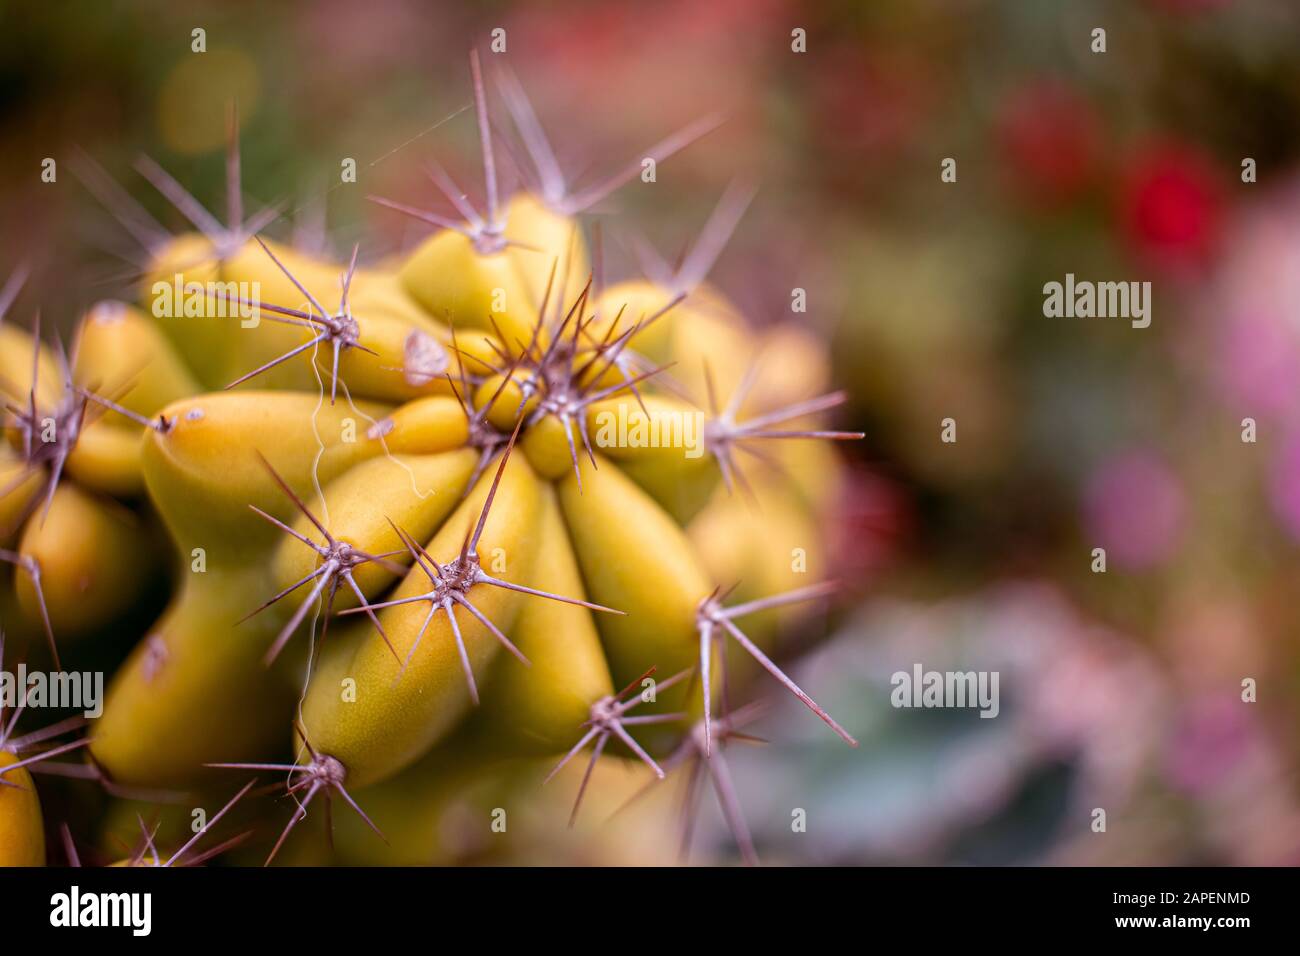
{"x": 22, "y": 833}
{"x": 410, "y": 524}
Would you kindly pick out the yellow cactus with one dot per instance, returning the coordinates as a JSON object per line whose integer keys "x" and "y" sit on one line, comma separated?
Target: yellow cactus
{"x": 471, "y": 510}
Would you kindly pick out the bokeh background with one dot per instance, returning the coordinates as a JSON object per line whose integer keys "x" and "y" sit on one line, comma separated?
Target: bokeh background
{"x": 1120, "y": 690}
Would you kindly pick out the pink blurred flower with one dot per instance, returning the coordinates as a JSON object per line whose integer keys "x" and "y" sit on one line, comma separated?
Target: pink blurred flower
{"x": 1135, "y": 508}
{"x": 1254, "y": 344}
{"x": 1214, "y": 735}
{"x": 1284, "y": 484}
{"x": 1258, "y": 363}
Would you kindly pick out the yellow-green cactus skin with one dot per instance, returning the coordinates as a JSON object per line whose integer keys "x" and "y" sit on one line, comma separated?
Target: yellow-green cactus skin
{"x": 433, "y": 523}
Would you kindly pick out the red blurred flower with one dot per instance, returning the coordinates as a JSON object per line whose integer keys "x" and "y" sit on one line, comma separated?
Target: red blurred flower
{"x": 1049, "y": 133}
{"x": 871, "y": 521}
{"x": 1171, "y": 204}
{"x": 868, "y": 105}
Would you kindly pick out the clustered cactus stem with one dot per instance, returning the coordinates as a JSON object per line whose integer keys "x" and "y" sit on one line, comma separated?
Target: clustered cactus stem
{"x": 18, "y": 746}
{"x": 146, "y": 854}
{"x": 485, "y": 230}
{"x": 48, "y": 434}
{"x": 33, "y": 762}
{"x": 224, "y": 431}
{"x": 226, "y": 239}
{"x": 451, "y": 582}
{"x": 563, "y": 387}
{"x": 480, "y": 432}
{"x": 322, "y": 774}
{"x": 338, "y": 559}
{"x": 698, "y": 753}
{"x": 335, "y": 329}
{"x": 160, "y": 423}
{"x": 714, "y": 622}
{"x": 609, "y": 717}
{"x": 724, "y": 435}
{"x": 32, "y": 568}
{"x": 698, "y": 758}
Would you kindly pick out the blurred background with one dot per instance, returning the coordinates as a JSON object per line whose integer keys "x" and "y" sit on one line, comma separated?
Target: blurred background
{"x": 1120, "y": 690}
